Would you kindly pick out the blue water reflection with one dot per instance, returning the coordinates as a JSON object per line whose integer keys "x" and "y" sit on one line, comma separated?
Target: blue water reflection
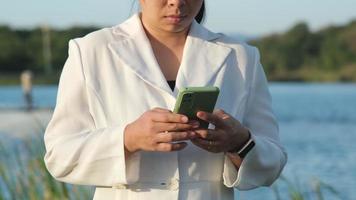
{"x": 317, "y": 127}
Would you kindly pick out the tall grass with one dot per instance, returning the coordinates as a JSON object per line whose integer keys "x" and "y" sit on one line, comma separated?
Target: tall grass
{"x": 314, "y": 190}
{"x": 23, "y": 174}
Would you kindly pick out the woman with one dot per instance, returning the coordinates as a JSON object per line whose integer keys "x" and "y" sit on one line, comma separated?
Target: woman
{"x": 113, "y": 126}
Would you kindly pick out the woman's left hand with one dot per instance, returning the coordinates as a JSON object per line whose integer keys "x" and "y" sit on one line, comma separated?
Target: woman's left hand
{"x": 227, "y": 135}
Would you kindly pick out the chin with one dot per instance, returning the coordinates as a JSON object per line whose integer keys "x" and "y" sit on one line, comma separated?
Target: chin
{"x": 176, "y": 29}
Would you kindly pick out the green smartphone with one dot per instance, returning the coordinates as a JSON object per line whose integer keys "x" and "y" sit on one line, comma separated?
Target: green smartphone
{"x": 192, "y": 99}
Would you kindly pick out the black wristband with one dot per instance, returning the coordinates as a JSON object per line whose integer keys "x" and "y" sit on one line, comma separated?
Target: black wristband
{"x": 242, "y": 151}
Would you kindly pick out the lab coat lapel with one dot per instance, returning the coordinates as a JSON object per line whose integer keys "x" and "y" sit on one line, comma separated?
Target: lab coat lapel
{"x": 136, "y": 52}
{"x": 202, "y": 58}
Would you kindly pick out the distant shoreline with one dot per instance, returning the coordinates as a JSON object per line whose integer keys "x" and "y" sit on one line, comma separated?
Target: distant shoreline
{"x": 13, "y": 79}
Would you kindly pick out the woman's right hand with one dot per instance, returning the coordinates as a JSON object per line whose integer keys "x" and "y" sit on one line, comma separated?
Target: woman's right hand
{"x": 159, "y": 130}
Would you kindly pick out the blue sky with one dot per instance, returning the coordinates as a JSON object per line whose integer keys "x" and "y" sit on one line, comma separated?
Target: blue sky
{"x": 250, "y": 17}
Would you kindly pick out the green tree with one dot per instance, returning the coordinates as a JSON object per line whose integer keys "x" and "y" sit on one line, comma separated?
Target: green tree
{"x": 13, "y": 56}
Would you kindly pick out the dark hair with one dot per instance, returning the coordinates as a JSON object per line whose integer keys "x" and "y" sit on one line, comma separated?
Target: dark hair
{"x": 200, "y": 16}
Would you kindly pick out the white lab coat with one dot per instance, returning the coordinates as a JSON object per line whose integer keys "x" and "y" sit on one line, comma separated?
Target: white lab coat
{"x": 111, "y": 77}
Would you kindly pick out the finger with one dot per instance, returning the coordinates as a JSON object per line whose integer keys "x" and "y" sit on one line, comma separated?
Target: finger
{"x": 162, "y": 126}
{"x": 211, "y": 118}
{"x": 193, "y": 121}
{"x": 199, "y": 145}
{"x": 205, "y": 147}
{"x": 163, "y": 110}
{"x": 167, "y": 137}
{"x": 169, "y": 117}
{"x": 208, "y": 134}
{"x": 167, "y": 147}
{"x": 208, "y": 143}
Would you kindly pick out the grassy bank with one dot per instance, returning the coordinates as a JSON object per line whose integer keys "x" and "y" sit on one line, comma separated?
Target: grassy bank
{"x": 312, "y": 74}
{"x": 347, "y": 74}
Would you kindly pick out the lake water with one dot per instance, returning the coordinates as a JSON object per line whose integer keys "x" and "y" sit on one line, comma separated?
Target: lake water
{"x": 317, "y": 127}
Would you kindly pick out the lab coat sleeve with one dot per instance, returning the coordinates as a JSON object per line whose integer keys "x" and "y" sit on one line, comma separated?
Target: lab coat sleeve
{"x": 264, "y": 163}
{"x": 76, "y": 151}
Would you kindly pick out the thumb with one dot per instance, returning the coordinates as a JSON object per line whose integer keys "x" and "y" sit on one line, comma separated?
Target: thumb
{"x": 227, "y": 118}
{"x": 221, "y": 114}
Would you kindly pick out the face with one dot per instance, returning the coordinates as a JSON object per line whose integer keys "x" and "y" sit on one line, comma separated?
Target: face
{"x": 169, "y": 15}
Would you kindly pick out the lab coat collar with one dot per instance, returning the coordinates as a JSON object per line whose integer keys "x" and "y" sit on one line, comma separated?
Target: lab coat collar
{"x": 201, "y": 59}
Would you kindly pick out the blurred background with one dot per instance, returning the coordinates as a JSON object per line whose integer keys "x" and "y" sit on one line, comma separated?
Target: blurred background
{"x": 308, "y": 50}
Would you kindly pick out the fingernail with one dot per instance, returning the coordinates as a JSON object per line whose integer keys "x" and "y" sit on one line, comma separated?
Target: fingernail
{"x": 184, "y": 119}
{"x": 199, "y": 114}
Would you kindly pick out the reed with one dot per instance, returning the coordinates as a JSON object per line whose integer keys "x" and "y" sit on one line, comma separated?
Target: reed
{"x": 296, "y": 190}
{"x": 23, "y": 174}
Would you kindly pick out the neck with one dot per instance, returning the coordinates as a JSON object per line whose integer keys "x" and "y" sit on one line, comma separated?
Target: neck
{"x": 167, "y": 38}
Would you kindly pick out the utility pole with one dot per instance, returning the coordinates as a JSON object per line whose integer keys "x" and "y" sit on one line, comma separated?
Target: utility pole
{"x": 46, "y": 49}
